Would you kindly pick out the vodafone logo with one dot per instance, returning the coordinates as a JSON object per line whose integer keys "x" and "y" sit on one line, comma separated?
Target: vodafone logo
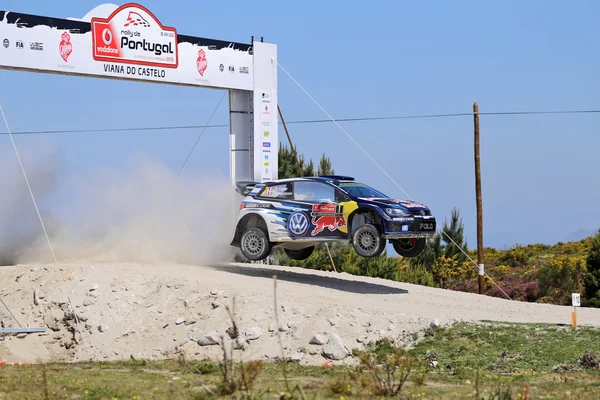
{"x": 107, "y": 36}
{"x": 107, "y": 39}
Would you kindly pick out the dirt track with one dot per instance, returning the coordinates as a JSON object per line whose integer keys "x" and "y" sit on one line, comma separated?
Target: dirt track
{"x": 156, "y": 311}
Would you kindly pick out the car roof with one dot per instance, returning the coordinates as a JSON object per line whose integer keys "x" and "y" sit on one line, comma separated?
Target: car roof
{"x": 323, "y": 178}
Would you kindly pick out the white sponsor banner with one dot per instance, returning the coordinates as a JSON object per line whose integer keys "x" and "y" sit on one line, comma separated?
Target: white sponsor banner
{"x": 130, "y": 44}
{"x": 266, "y": 142}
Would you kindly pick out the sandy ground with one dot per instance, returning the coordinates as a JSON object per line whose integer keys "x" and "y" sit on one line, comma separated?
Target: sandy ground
{"x": 159, "y": 311}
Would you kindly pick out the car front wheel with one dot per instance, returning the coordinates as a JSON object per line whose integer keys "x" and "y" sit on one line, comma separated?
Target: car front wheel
{"x": 367, "y": 241}
{"x": 255, "y": 245}
{"x": 411, "y": 247}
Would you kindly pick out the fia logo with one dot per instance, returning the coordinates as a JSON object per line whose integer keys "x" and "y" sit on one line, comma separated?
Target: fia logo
{"x": 298, "y": 223}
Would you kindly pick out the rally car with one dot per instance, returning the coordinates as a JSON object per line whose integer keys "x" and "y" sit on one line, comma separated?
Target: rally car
{"x": 298, "y": 213}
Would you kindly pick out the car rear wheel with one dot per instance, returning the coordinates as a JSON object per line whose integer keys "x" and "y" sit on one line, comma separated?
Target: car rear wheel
{"x": 302, "y": 254}
{"x": 367, "y": 241}
{"x": 255, "y": 244}
{"x": 411, "y": 247}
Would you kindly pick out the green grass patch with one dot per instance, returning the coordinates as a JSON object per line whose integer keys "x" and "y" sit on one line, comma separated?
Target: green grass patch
{"x": 484, "y": 361}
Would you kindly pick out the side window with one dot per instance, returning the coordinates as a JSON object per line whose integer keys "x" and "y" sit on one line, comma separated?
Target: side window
{"x": 282, "y": 191}
{"x": 341, "y": 197}
{"x": 313, "y": 192}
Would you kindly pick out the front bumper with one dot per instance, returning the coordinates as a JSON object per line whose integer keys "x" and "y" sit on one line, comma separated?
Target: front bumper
{"x": 410, "y": 227}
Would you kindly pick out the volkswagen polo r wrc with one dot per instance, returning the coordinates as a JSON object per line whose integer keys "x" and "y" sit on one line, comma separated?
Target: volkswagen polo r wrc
{"x": 298, "y": 213}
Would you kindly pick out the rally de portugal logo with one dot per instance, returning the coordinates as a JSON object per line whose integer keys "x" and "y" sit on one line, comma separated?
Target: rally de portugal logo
{"x": 133, "y": 35}
{"x": 298, "y": 223}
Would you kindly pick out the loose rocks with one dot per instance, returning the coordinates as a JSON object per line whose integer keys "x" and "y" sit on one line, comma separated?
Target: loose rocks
{"x": 253, "y": 333}
{"x": 209, "y": 339}
{"x": 319, "y": 339}
{"x": 335, "y": 349}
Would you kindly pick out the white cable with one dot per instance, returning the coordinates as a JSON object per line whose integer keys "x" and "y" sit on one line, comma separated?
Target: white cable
{"x": 201, "y": 133}
{"x": 473, "y": 261}
{"x": 28, "y": 186}
{"x": 382, "y": 170}
{"x": 343, "y": 130}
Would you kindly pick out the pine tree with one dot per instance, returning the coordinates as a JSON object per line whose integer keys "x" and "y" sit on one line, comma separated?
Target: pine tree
{"x": 435, "y": 248}
{"x": 456, "y": 232}
{"x": 325, "y": 166}
{"x": 287, "y": 164}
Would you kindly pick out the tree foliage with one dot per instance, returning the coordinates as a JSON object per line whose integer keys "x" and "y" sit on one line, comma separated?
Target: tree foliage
{"x": 592, "y": 278}
{"x": 325, "y": 166}
{"x": 445, "y": 244}
{"x": 288, "y": 168}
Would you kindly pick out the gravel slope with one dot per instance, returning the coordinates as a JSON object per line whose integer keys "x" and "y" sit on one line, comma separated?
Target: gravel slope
{"x": 156, "y": 311}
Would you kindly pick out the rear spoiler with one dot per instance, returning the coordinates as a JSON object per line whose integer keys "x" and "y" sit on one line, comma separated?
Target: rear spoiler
{"x": 245, "y": 187}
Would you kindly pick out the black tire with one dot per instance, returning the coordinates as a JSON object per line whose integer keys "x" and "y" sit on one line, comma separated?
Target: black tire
{"x": 255, "y": 244}
{"x": 408, "y": 247}
{"x": 367, "y": 241}
{"x": 302, "y": 254}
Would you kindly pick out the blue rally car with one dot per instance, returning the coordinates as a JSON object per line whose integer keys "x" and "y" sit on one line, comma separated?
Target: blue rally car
{"x": 298, "y": 213}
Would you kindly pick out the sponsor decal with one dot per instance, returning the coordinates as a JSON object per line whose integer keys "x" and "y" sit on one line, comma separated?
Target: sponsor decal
{"x": 409, "y": 205}
{"x": 65, "y": 48}
{"x": 266, "y": 95}
{"x": 244, "y": 70}
{"x": 221, "y": 67}
{"x": 426, "y": 226}
{"x": 327, "y": 222}
{"x": 403, "y": 219}
{"x": 276, "y": 191}
{"x": 38, "y": 46}
{"x": 201, "y": 63}
{"x": 256, "y": 205}
{"x": 19, "y": 45}
{"x": 404, "y": 228}
{"x": 266, "y": 164}
{"x": 6, "y": 43}
{"x": 266, "y": 144}
{"x": 266, "y": 133}
{"x": 326, "y": 209}
{"x": 298, "y": 223}
{"x": 133, "y": 35}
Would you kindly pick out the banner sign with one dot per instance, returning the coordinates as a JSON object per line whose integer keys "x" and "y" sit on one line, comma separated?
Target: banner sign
{"x": 131, "y": 43}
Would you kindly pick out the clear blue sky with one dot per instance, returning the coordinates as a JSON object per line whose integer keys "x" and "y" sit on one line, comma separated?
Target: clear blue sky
{"x": 359, "y": 59}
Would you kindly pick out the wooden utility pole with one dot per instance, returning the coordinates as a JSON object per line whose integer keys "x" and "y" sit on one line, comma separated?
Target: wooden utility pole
{"x": 481, "y": 271}
{"x": 290, "y": 140}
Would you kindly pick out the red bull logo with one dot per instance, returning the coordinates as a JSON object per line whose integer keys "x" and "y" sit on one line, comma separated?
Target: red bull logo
{"x": 327, "y": 222}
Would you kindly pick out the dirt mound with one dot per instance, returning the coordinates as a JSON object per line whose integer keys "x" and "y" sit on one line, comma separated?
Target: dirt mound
{"x": 154, "y": 311}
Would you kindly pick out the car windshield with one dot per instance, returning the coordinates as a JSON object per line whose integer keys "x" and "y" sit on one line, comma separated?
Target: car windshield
{"x": 361, "y": 190}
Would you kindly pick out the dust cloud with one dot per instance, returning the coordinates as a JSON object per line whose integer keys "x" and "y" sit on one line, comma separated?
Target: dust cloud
{"x": 141, "y": 212}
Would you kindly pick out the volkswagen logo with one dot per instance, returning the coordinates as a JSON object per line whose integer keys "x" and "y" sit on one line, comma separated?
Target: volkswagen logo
{"x": 298, "y": 223}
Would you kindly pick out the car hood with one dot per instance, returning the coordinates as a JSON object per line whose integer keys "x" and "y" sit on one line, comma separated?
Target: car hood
{"x": 386, "y": 201}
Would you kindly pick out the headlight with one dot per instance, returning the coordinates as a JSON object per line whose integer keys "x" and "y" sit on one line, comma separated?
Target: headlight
{"x": 396, "y": 212}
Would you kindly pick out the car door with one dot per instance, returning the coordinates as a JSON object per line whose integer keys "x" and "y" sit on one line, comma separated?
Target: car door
{"x": 326, "y": 216}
